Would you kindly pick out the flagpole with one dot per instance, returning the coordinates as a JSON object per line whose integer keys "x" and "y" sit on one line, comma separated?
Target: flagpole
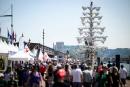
{"x": 11, "y": 18}
{"x": 43, "y": 41}
{"x": 0, "y": 31}
{"x": 10, "y": 15}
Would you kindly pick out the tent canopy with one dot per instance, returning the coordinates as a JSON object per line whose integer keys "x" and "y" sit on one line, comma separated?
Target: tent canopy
{"x": 3, "y": 47}
{"x": 21, "y": 56}
{"x": 7, "y": 48}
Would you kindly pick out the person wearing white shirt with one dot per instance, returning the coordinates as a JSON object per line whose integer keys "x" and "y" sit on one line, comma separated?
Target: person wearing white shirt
{"x": 76, "y": 75}
{"x": 123, "y": 75}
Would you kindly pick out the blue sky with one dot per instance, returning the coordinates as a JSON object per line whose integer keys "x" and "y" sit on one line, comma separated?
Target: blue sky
{"x": 61, "y": 20}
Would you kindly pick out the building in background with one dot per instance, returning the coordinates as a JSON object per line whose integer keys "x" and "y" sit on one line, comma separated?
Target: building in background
{"x": 59, "y": 46}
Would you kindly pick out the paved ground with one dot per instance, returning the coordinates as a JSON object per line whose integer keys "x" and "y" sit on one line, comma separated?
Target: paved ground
{"x": 128, "y": 83}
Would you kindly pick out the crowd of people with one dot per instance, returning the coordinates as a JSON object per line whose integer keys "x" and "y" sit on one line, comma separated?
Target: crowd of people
{"x": 63, "y": 74}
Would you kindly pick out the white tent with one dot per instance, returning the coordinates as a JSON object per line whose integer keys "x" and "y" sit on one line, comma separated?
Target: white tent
{"x": 21, "y": 56}
{"x": 40, "y": 57}
{"x": 46, "y": 57}
{"x": 3, "y": 47}
{"x": 34, "y": 51}
{"x": 12, "y": 48}
{"x": 43, "y": 57}
{"x": 26, "y": 49}
{"x": 7, "y": 48}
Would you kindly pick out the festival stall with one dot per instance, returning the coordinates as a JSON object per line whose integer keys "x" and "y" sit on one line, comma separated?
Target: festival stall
{"x": 3, "y": 56}
{"x": 7, "y": 48}
{"x": 3, "y": 61}
{"x": 3, "y": 47}
{"x": 21, "y": 56}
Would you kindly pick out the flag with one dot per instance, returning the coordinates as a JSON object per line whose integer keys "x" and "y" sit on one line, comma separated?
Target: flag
{"x": 15, "y": 37}
{"x": 40, "y": 56}
{"x": 12, "y": 36}
{"x": 8, "y": 36}
{"x": 45, "y": 56}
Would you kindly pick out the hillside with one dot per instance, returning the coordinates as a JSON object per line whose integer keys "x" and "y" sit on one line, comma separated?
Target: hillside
{"x": 108, "y": 53}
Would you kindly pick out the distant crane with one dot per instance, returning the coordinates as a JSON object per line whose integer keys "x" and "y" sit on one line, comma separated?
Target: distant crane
{"x": 10, "y": 15}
